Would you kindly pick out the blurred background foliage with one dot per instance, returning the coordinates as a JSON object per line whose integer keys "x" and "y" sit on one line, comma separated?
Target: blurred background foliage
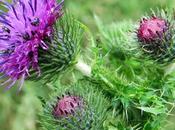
{"x": 18, "y": 111}
{"x": 113, "y": 10}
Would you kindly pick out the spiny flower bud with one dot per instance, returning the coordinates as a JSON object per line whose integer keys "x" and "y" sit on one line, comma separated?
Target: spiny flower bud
{"x": 71, "y": 108}
{"x": 78, "y": 107}
{"x": 155, "y": 35}
{"x": 67, "y": 106}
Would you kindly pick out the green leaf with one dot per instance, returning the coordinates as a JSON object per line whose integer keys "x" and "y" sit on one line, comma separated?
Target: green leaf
{"x": 154, "y": 111}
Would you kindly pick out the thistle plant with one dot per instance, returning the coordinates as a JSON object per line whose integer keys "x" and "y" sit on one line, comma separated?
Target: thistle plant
{"x": 126, "y": 87}
{"x": 76, "y": 107}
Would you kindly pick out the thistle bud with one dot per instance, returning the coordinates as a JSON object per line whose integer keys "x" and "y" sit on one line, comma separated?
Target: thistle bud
{"x": 78, "y": 107}
{"x": 155, "y": 35}
{"x": 67, "y": 106}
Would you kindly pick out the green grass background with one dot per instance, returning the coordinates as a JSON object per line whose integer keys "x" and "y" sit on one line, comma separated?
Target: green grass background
{"x": 19, "y": 111}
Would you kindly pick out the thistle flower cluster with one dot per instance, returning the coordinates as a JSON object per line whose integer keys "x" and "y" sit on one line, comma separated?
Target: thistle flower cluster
{"x": 24, "y": 28}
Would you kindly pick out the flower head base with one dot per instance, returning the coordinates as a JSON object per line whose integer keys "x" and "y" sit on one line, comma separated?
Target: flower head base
{"x": 155, "y": 35}
{"x": 67, "y": 106}
{"x": 23, "y": 30}
{"x": 63, "y": 50}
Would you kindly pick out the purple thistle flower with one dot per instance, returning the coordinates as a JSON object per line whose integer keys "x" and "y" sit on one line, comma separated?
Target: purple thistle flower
{"x": 22, "y": 32}
{"x": 67, "y": 105}
{"x": 152, "y": 29}
{"x": 156, "y": 38}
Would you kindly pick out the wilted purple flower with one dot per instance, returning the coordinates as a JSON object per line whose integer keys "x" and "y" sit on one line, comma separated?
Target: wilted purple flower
{"x": 23, "y": 30}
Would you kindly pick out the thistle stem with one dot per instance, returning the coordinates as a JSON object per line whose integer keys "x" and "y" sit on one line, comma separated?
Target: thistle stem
{"x": 83, "y": 68}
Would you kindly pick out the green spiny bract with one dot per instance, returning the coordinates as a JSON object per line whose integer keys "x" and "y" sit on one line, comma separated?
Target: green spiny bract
{"x": 156, "y": 37}
{"x": 77, "y": 107}
{"x": 140, "y": 105}
{"x": 63, "y": 50}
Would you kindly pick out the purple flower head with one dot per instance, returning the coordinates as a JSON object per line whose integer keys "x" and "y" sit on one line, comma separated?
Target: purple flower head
{"x": 67, "y": 105}
{"x": 156, "y": 37}
{"x": 23, "y": 30}
{"x": 152, "y": 29}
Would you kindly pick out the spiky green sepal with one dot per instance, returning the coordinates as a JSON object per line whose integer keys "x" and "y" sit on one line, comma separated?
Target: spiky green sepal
{"x": 89, "y": 117}
{"x": 63, "y": 48}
